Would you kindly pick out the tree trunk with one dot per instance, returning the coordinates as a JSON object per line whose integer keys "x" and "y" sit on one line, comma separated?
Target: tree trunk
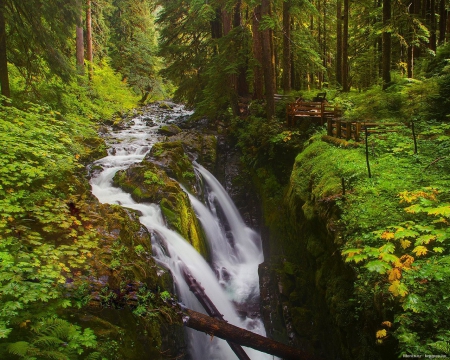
{"x": 386, "y": 45}
{"x": 258, "y": 83}
{"x": 216, "y": 25}
{"x": 4, "y": 79}
{"x": 442, "y": 21}
{"x": 267, "y": 63}
{"x": 324, "y": 45}
{"x": 242, "y": 84}
{"x": 89, "y": 52}
{"x": 226, "y": 331}
{"x": 80, "y": 40}
{"x": 433, "y": 25}
{"x": 339, "y": 42}
{"x": 345, "y": 84}
{"x": 286, "y": 46}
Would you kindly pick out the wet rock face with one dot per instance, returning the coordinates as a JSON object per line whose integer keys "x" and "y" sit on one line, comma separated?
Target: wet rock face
{"x": 120, "y": 266}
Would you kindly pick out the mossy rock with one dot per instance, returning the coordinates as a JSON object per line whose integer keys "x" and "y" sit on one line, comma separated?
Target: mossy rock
{"x": 146, "y": 182}
{"x": 171, "y": 157}
{"x": 204, "y": 146}
{"x": 303, "y": 321}
{"x": 180, "y": 216}
{"x": 169, "y": 130}
{"x": 93, "y": 148}
{"x": 165, "y": 106}
{"x": 120, "y": 265}
{"x": 121, "y": 233}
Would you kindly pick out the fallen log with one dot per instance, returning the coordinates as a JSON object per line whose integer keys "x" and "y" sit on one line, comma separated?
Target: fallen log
{"x": 231, "y": 333}
{"x": 199, "y": 292}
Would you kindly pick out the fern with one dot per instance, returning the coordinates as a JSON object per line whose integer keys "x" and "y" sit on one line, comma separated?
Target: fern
{"x": 19, "y": 348}
{"x": 94, "y": 356}
{"x": 47, "y": 341}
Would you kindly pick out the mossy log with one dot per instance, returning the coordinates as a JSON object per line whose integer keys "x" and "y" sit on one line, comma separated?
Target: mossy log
{"x": 236, "y": 335}
{"x": 339, "y": 142}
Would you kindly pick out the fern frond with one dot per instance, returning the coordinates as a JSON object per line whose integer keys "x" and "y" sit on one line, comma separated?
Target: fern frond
{"x": 19, "y": 348}
{"x": 94, "y": 356}
{"x": 54, "y": 355}
{"x": 55, "y": 327}
{"x": 47, "y": 341}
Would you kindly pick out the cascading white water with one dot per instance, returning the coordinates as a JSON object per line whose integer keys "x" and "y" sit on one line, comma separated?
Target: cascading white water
{"x": 234, "y": 281}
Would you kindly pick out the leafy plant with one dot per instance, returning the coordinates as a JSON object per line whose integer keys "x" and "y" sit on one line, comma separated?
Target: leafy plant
{"x": 56, "y": 338}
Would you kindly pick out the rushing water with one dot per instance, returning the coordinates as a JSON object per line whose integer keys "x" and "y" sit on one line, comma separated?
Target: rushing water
{"x": 231, "y": 281}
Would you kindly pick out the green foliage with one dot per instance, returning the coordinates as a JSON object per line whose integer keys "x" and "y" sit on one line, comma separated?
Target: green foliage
{"x": 55, "y": 338}
{"x": 182, "y": 29}
{"x": 44, "y": 223}
{"x": 404, "y": 100}
{"x": 40, "y": 36}
{"x": 133, "y": 46}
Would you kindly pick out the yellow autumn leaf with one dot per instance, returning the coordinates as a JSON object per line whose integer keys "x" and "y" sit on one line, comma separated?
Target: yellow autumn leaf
{"x": 394, "y": 274}
{"x": 406, "y": 261}
{"x": 420, "y": 250}
{"x": 405, "y": 243}
{"x": 387, "y": 235}
{"x": 381, "y": 334}
{"x": 398, "y": 289}
{"x": 387, "y": 324}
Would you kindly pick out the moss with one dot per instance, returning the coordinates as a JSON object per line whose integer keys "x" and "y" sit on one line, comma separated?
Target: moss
{"x": 169, "y": 130}
{"x": 181, "y": 217}
{"x": 172, "y": 159}
{"x": 147, "y": 182}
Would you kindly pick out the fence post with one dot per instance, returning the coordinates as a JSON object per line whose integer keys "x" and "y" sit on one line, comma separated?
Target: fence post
{"x": 358, "y": 130}
{"x": 329, "y": 127}
{"x": 338, "y": 128}
{"x": 322, "y": 115}
{"x": 367, "y": 153}
{"x": 348, "y": 133}
{"x": 414, "y": 137}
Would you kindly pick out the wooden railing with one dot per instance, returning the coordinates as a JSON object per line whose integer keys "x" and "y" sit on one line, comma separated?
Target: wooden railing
{"x": 317, "y": 111}
{"x": 353, "y": 130}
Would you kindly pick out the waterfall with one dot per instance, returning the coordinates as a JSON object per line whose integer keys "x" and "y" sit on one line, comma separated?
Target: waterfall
{"x": 232, "y": 281}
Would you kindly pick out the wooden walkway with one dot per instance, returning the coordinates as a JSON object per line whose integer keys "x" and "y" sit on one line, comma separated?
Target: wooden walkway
{"x": 321, "y": 112}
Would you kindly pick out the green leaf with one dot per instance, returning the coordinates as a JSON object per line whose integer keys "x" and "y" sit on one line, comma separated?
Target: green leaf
{"x": 378, "y": 266}
{"x": 440, "y": 211}
{"x": 413, "y": 302}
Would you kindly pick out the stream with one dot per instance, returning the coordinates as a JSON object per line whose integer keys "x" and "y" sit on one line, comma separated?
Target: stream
{"x": 231, "y": 280}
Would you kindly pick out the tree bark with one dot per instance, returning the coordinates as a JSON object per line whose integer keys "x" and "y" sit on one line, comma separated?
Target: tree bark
{"x": 4, "y": 77}
{"x": 286, "y": 46}
{"x": 226, "y": 331}
{"x": 345, "y": 84}
{"x": 258, "y": 80}
{"x": 442, "y": 21}
{"x": 433, "y": 25}
{"x": 267, "y": 63}
{"x": 386, "y": 45}
{"x": 339, "y": 42}
{"x": 242, "y": 84}
{"x": 79, "y": 39}
{"x": 89, "y": 51}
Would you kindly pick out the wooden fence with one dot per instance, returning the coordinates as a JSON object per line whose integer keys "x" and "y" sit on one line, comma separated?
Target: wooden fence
{"x": 352, "y": 130}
